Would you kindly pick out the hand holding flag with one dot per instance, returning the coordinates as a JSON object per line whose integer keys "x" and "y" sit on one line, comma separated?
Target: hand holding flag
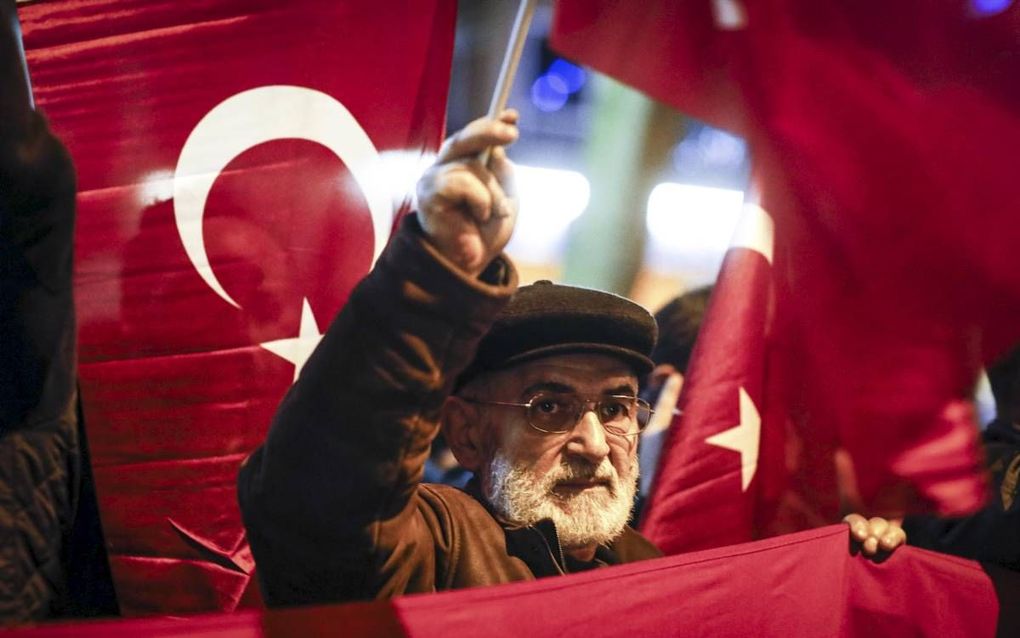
{"x": 875, "y": 533}
{"x": 468, "y": 208}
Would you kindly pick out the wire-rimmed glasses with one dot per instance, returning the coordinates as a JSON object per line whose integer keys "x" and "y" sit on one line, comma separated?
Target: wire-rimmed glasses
{"x": 558, "y": 412}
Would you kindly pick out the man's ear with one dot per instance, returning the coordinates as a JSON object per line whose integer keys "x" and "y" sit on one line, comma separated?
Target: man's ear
{"x": 463, "y": 434}
{"x": 659, "y": 375}
{"x": 665, "y": 405}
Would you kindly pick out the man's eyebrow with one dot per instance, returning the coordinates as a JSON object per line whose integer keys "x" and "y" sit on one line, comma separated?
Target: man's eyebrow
{"x": 627, "y": 389}
{"x": 547, "y": 386}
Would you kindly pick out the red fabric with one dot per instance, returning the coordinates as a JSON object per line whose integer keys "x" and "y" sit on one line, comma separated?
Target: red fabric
{"x": 885, "y": 133}
{"x": 725, "y": 454}
{"x": 804, "y": 584}
{"x": 375, "y": 620}
{"x": 176, "y": 387}
{"x": 662, "y": 48}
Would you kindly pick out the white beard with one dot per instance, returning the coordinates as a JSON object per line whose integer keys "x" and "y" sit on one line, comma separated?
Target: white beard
{"x": 595, "y": 515}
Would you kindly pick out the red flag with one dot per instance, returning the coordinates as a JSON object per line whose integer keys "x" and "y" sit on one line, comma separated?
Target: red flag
{"x": 735, "y": 466}
{"x": 662, "y": 48}
{"x": 803, "y": 584}
{"x": 709, "y": 477}
{"x": 239, "y": 169}
{"x": 886, "y": 134}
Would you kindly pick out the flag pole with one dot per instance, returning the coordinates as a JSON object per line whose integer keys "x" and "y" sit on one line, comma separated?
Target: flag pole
{"x": 508, "y": 70}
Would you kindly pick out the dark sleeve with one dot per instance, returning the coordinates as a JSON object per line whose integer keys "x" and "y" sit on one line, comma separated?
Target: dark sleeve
{"x": 993, "y": 533}
{"x": 329, "y": 500}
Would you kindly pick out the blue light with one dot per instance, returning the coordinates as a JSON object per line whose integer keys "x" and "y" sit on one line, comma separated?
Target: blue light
{"x": 573, "y": 76}
{"x": 549, "y": 93}
{"x": 989, "y": 7}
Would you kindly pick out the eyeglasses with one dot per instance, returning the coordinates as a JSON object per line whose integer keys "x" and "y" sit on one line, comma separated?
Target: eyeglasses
{"x": 558, "y": 412}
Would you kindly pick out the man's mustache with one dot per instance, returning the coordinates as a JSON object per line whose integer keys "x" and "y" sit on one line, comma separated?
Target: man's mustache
{"x": 581, "y": 470}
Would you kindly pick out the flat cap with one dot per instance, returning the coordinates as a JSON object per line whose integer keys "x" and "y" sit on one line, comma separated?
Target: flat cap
{"x": 546, "y": 319}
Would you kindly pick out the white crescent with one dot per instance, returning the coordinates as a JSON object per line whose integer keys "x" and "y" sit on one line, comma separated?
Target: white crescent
{"x": 259, "y": 115}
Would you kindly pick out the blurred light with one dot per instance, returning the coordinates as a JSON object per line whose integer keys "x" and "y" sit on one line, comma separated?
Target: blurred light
{"x": 550, "y": 199}
{"x": 549, "y": 93}
{"x": 710, "y": 148}
{"x": 722, "y": 148}
{"x": 397, "y": 173}
{"x": 989, "y": 7}
{"x": 573, "y": 76}
{"x": 729, "y": 15}
{"x": 692, "y": 226}
{"x": 155, "y": 188}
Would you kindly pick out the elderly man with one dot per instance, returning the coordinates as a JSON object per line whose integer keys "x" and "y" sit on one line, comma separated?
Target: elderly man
{"x": 536, "y": 392}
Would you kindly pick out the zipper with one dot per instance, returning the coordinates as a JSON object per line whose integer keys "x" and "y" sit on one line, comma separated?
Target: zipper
{"x": 558, "y": 560}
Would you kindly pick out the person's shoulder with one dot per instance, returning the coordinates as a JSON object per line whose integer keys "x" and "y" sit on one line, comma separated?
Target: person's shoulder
{"x": 457, "y": 520}
{"x": 450, "y": 498}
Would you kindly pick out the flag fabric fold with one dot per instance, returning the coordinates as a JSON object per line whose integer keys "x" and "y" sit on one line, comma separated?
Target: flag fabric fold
{"x": 709, "y": 477}
{"x": 884, "y": 135}
{"x": 804, "y": 584}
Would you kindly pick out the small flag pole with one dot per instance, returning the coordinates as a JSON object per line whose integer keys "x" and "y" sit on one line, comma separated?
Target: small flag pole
{"x": 508, "y": 70}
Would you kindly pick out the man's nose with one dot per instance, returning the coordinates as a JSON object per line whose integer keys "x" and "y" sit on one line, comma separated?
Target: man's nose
{"x": 588, "y": 438}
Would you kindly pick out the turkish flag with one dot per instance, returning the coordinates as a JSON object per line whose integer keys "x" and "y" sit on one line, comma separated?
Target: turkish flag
{"x": 240, "y": 166}
{"x": 804, "y": 584}
{"x": 885, "y": 135}
{"x": 708, "y": 482}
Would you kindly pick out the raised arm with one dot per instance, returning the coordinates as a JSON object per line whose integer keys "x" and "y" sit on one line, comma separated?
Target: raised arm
{"x": 329, "y": 499}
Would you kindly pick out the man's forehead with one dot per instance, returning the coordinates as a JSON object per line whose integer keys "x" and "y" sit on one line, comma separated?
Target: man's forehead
{"x": 590, "y": 371}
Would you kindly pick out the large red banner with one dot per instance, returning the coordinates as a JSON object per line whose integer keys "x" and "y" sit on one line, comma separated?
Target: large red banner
{"x": 884, "y": 133}
{"x": 804, "y": 584}
{"x": 241, "y": 164}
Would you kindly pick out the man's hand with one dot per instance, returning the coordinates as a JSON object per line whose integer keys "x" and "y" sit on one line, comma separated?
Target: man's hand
{"x": 468, "y": 210}
{"x": 875, "y": 534}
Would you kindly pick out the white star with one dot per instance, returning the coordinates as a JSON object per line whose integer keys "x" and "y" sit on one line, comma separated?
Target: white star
{"x": 743, "y": 438}
{"x": 298, "y": 349}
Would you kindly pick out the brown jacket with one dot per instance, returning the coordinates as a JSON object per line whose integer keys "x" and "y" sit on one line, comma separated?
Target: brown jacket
{"x": 332, "y": 501}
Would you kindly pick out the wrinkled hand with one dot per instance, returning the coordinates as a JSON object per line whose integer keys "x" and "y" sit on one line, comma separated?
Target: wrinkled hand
{"x": 468, "y": 210}
{"x": 875, "y": 534}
